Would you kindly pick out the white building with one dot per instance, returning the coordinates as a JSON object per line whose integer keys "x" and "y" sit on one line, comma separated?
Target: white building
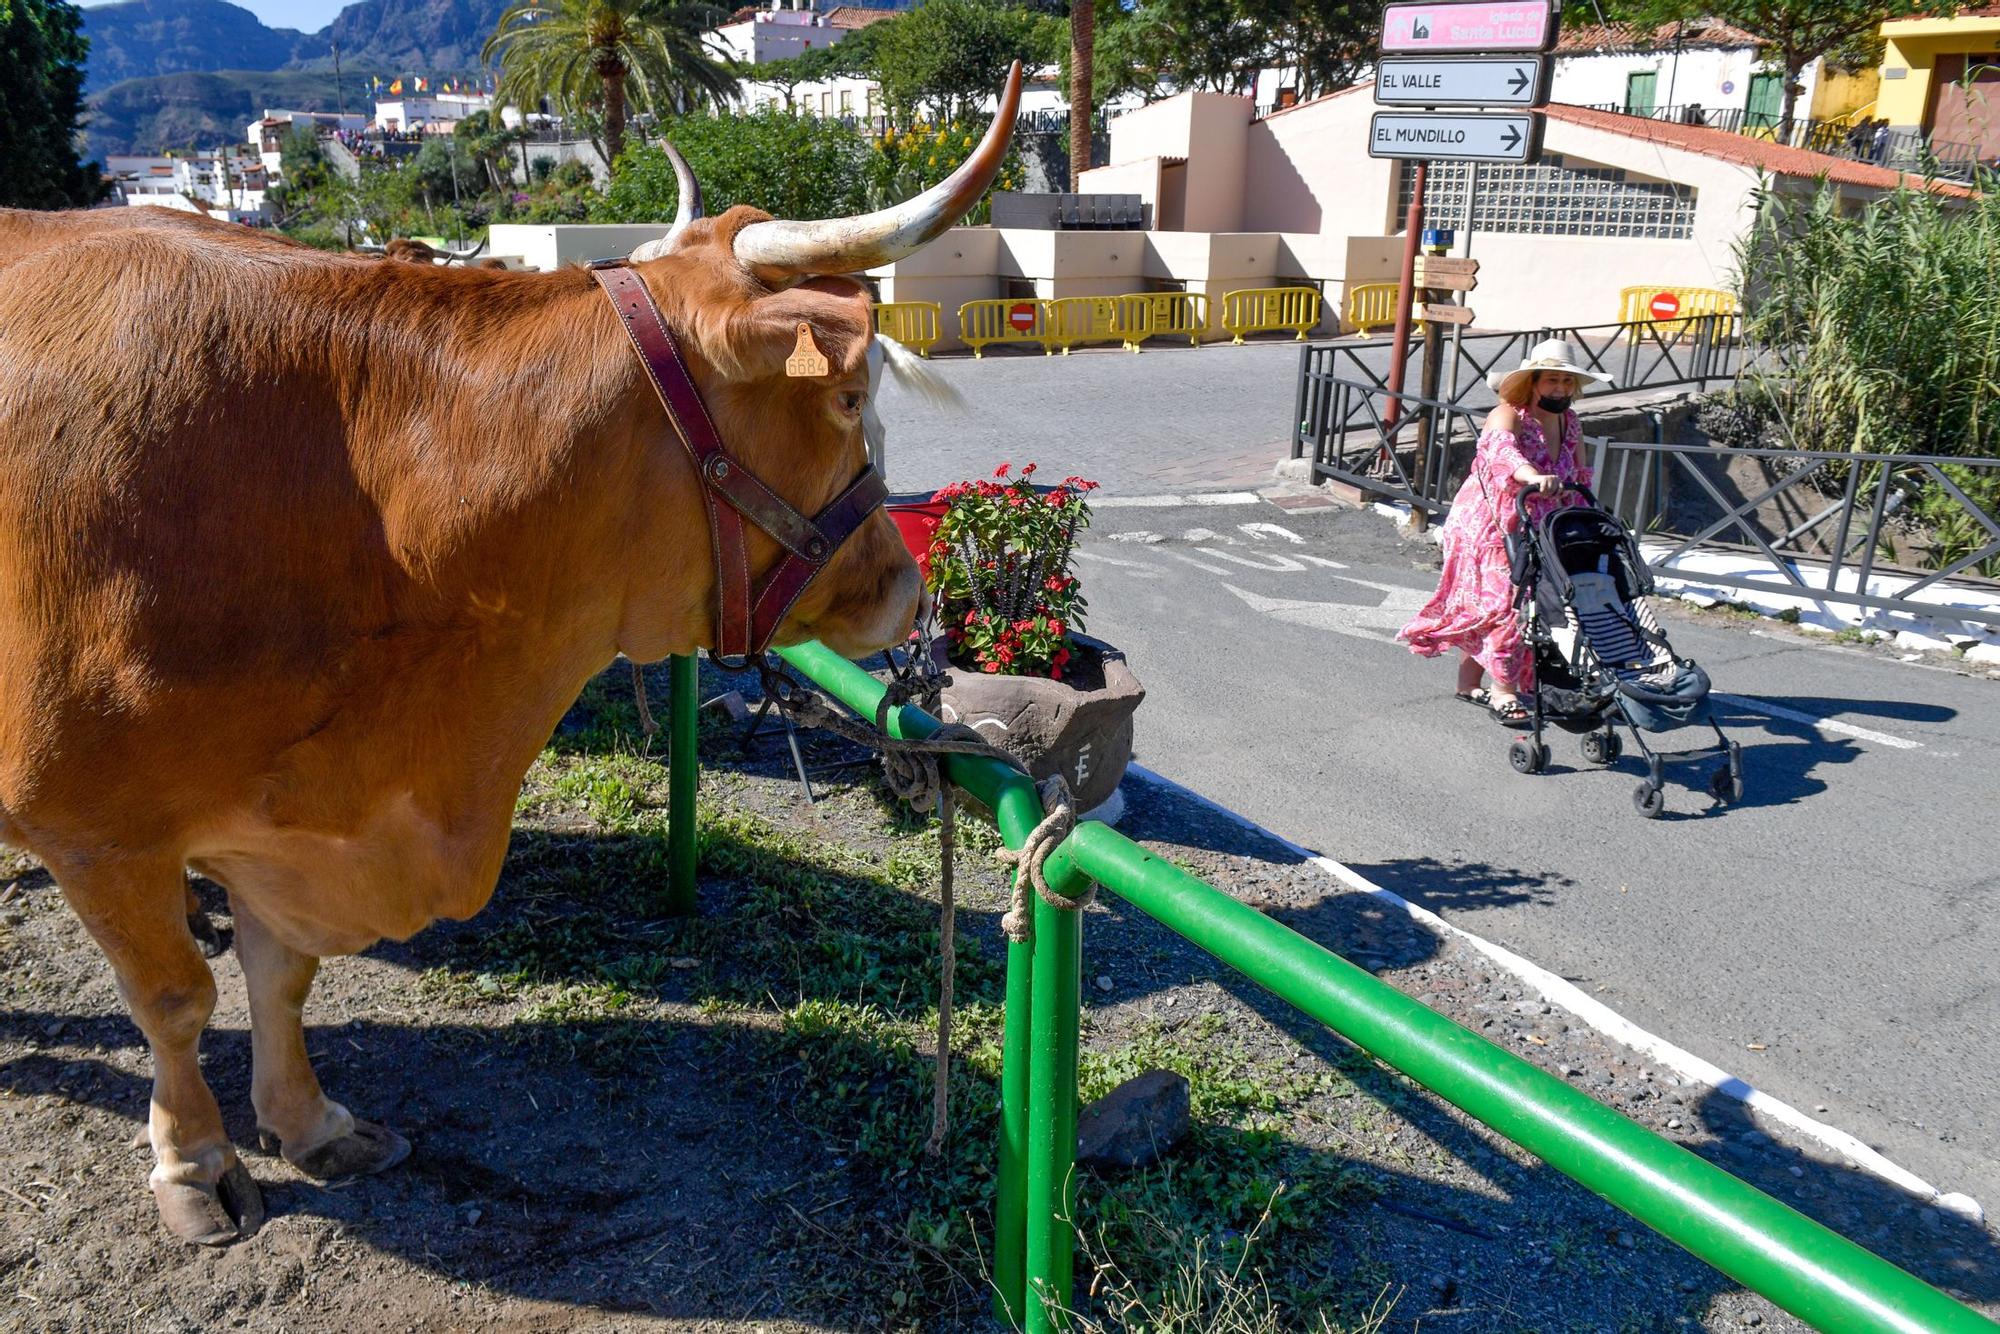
{"x": 269, "y": 131}
{"x": 429, "y": 111}
{"x": 1292, "y": 199}
{"x": 139, "y": 178}
{"x": 1679, "y": 71}
{"x": 226, "y": 180}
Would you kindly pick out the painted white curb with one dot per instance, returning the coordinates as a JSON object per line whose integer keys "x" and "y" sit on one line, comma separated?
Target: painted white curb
{"x": 1558, "y": 991}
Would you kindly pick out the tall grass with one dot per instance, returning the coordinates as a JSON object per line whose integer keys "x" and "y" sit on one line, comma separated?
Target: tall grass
{"x": 1885, "y": 325}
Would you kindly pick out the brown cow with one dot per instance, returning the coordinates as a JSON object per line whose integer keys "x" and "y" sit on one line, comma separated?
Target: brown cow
{"x": 302, "y": 556}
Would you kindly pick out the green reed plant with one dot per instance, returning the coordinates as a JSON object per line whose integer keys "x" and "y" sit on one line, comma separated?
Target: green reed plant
{"x": 1885, "y": 325}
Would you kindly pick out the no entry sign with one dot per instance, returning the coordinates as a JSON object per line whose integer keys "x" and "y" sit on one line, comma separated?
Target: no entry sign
{"x": 1665, "y": 306}
{"x": 1022, "y": 316}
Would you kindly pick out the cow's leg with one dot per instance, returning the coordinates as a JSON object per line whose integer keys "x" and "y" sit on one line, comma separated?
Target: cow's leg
{"x": 137, "y": 913}
{"x": 316, "y": 1134}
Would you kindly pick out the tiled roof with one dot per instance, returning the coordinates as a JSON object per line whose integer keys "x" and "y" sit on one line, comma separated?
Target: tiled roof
{"x": 1364, "y": 85}
{"x": 1698, "y": 34}
{"x": 857, "y": 16}
{"x": 1744, "y": 150}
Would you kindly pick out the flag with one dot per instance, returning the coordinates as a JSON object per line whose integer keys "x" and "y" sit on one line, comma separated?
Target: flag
{"x": 375, "y": 84}
{"x": 420, "y": 83}
{"x": 396, "y": 88}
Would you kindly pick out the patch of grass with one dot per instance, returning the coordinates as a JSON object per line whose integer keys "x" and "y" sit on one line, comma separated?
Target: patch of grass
{"x": 1789, "y": 616}
{"x": 1852, "y": 634}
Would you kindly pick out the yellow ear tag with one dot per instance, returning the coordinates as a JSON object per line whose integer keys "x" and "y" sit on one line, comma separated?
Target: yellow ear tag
{"x": 806, "y": 361}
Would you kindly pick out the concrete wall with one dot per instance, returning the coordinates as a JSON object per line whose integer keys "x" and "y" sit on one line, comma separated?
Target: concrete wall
{"x": 551, "y": 247}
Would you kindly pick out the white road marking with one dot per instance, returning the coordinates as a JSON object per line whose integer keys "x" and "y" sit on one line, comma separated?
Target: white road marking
{"x": 1170, "y": 501}
{"x": 1145, "y": 570}
{"x": 1196, "y": 536}
{"x": 1275, "y": 530}
{"x": 1199, "y": 564}
{"x": 1559, "y": 991}
{"x": 1823, "y": 724}
{"x": 1379, "y": 621}
{"x": 1261, "y": 561}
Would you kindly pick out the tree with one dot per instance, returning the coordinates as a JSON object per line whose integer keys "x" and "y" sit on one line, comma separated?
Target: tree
{"x": 42, "y": 50}
{"x": 485, "y": 139}
{"x": 948, "y": 56}
{"x": 613, "y": 55}
{"x": 1797, "y": 32}
{"x": 1082, "y": 66}
{"x": 789, "y": 166}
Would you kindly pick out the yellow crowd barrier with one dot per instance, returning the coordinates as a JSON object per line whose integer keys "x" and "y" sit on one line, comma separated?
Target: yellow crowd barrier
{"x": 1635, "y": 304}
{"x": 1087, "y": 319}
{"x": 981, "y": 323}
{"x": 1373, "y": 304}
{"x": 914, "y": 324}
{"x": 1251, "y": 310}
{"x": 1170, "y": 314}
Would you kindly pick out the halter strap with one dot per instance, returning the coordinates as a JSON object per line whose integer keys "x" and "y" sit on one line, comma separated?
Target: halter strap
{"x": 748, "y": 613}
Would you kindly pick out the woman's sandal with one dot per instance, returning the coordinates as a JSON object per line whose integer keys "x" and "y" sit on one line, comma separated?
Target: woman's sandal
{"x": 1509, "y": 713}
{"x": 1479, "y": 695}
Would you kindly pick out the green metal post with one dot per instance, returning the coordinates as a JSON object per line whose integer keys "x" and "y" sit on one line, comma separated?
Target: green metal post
{"x": 683, "y": 779}
{"x": 1817, "y": 1275}
{"x": 1017, "y": 808}
{"x": 1058, "y": 947}
{"x": 1010, "y": 1202}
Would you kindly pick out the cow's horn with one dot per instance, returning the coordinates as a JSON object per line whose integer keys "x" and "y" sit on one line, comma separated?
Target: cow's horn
{"x": 686, "y": 208}
{"x": 848, "y": 245}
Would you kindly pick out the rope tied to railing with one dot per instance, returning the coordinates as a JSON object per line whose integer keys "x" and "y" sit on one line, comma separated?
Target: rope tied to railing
{"x": 910, "y": 768}
{"x": 1031, "y": 861}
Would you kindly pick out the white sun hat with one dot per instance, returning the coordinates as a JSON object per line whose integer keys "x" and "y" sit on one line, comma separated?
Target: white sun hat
{"x": 1551, "y": 354}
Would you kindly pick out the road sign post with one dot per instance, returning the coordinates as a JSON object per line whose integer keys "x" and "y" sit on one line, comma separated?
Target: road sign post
{"x": 1484, "y": 54}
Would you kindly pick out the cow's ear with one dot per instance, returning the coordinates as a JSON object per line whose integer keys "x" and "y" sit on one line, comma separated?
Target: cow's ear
{"x": 834, "y": 312}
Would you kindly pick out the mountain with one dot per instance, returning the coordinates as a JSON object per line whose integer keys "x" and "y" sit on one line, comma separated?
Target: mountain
{"x": 141, "y": 38}
{"x": 202, "y": 108}
{"x": 170, "y": 72}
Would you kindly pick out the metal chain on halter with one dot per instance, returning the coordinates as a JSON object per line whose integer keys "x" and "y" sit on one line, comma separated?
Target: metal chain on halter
{"x": 910, "y": 767}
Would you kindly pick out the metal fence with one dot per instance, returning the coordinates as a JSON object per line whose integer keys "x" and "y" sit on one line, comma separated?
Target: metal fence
{"x": 1639, "y": 354}
{"x": 1899, "y": 150}
{"x": 1821, "y": 526}
{"x": 1814, "y": 1273}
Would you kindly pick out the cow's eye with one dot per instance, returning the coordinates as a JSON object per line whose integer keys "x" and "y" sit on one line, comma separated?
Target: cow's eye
{"x": 851, "y": 400}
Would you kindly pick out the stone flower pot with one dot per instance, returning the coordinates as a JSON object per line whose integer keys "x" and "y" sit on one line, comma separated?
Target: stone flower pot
{"x": 1080, "y": 726}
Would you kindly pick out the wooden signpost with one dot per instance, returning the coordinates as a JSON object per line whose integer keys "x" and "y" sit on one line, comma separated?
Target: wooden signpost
{"x": 1438, "y": 312}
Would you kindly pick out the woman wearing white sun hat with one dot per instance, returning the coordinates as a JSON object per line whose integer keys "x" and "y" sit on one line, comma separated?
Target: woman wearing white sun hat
{"x": 1473, "y": 608}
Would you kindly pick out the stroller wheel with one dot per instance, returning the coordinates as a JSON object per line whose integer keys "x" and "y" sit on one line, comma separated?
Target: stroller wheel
{"x": 1601, "y": 747}
{"x": 1726, "y": 783}
{"x": 1527, "y": 757}
{"x": 1648, "y": 800}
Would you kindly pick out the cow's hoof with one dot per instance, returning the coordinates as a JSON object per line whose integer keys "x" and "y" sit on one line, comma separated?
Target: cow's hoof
{"x": 203, "y": 1215}
{"x": 371, "y": 1148}
{"x": 212, "y": 940}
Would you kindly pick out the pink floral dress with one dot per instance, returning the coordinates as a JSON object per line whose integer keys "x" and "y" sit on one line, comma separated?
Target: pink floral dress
{"x": 1473, "y": 608}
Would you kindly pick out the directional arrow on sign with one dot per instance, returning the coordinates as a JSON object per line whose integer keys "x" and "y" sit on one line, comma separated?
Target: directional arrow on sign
{"x": 1462, "y": 81}
{"x": 1510, "y": 139}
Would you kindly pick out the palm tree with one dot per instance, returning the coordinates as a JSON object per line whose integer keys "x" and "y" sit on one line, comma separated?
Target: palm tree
{"x": 1082, "y": 56}
{"x": 645, "y": 54}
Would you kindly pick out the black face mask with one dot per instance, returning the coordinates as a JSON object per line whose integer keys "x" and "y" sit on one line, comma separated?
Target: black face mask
{"x": 1551, "y": 403}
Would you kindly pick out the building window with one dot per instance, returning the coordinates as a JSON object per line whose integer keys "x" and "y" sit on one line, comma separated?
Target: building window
{"x": 826, "y": 103}
{"x": 847, "y": 101}
{"x": 1552, "y": 198}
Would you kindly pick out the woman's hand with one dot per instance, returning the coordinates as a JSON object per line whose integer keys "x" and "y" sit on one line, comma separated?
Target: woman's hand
{"x": 1548, "y": 484}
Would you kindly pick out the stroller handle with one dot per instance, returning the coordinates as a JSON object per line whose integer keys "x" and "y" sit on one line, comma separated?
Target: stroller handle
{"x": 1521, "y": 498}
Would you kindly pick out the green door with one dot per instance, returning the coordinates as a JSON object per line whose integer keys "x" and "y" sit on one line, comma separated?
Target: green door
{"x": 1767, "y": 96}
{"x": 1640, "y": 91}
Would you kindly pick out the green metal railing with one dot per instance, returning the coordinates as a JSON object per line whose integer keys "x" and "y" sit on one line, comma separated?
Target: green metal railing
{"x": 1814, "y": 1273}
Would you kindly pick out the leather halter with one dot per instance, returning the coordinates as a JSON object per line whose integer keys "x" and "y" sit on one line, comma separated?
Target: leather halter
{"x": 747, "y": 614}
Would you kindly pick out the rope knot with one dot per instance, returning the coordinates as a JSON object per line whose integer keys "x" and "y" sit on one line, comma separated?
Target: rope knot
{"x": 1031, "y": 861}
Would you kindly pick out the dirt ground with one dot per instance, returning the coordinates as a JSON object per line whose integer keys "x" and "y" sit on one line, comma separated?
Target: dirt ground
{"x": 622, "y": 1121}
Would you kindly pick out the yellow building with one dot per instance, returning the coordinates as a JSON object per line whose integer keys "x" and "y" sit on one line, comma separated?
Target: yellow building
{"x": 1942, "y": 77}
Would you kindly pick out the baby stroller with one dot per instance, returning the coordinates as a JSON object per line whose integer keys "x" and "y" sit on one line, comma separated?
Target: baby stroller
{"x": 1600, "y": 658}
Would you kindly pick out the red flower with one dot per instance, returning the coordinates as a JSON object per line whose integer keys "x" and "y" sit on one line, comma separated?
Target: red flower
{"x": 1027, "y": 469}
{"x": 1055, "y": 673}
{"x": 1004, "y": 653}
{"x": 1001, "y": 471}
{"x": 1054, "y": 583}
{"x": 991, "y": 667}
{"x": 1061, "y": 658}
{"x": 1056, "y": 629}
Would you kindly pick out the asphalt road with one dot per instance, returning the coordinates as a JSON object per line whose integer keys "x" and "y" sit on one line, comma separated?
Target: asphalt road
{"x": 1831, "y": 939}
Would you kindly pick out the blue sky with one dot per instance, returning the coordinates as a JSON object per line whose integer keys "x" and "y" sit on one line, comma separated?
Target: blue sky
{"x": 305, "y": 15}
